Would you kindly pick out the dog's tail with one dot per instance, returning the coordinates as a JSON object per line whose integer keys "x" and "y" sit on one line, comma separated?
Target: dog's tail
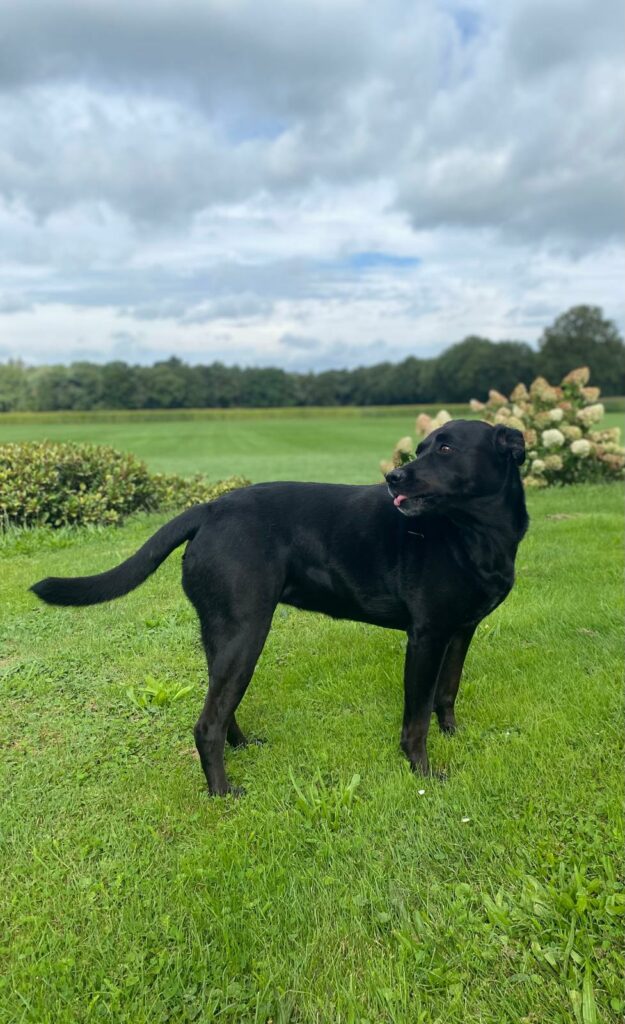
{"x": 81, "y": 590}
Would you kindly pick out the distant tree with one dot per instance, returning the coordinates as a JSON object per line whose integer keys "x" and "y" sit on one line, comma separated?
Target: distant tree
{"x": 120, "y": 386}
{"x": 84, "y": 385}
{"x": 264, "y": 387}
{"x": 50, "y": 388}
{"x": 195, "y": 390}
{"x": 331, "y": 387}
{"x": 221, "y": 385}
{"x": 463, "y": 370}
{"x": 165, "y": 384}
{"x": 371, "y": 385}
{"x": 427, "y": 372}
{"x": 473, "y": 366}
{"x": 584, "y": 337}
{"x": 407, "y": 382}
{"x": 301, "y": 384}
{"x": 13, "y": 386}
{"x": 513, "y": 362}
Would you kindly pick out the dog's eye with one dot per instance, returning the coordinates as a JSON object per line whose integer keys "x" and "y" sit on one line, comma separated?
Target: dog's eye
{"x": 445, "y": 449}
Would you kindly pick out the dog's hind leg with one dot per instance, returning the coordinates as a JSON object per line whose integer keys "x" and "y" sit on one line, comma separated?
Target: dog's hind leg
{"x": 235, "y": 736}
{"x": 449, "y": 678}
{"x": 231, "y": 652}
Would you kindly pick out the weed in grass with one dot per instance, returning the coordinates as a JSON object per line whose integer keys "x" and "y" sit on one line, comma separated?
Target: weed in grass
{"x": 320, "y": 803}
{"x": 156, "y": 694}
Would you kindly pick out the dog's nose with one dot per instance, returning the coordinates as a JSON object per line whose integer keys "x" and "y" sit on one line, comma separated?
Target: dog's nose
{"x": 395, "y": 477}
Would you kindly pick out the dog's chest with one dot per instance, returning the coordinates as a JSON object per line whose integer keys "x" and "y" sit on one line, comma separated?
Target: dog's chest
{"x": 452, "y": 589}
{"x": 492, "y": 601}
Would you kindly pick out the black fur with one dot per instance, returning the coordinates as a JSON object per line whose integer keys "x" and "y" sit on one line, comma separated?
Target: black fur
{"x": 83, "y": 590}
{"x": 434, "y": 571}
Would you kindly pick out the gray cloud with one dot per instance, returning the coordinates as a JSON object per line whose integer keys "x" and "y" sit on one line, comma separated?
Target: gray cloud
{"x": 13, "y": 303}
{"x": 307, "y": 353}
{"x": 299, "y": 342}
{"x": 543, "y": 38}
{"x": 182, "y": 165}
{"x": 532, "y": 144}
{"x": 162, "y": 111}
{"x": 286, "y": 57}
{"x": 241, "y": 306}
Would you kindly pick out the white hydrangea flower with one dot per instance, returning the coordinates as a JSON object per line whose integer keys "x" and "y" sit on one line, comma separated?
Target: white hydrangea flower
{"x": 553, "y": 438}
{"x": 591, "y": 414}
{"x": 582, "y": 448}
{"x": 404, "y": 445}
{"x": 442, "y": 418}
{"x": 571, "y": 432}
{"x": 538, "y": 466}
{"x": 555, "y": 415}
{"x": 424, "y": 424}
{"x": 595, "y": 412}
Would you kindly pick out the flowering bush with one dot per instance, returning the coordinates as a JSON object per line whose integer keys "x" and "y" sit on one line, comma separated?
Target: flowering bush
{"x": 560, "y": 429}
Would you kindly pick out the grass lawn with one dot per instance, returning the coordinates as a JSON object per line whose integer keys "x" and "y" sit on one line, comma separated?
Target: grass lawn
{"x": 335, "y": 445}
{"x": 285, "y": 447}
{"x": 334, "y": 892}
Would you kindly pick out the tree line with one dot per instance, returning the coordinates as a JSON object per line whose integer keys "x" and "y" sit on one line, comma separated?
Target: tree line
{"x": 581, "y": 336}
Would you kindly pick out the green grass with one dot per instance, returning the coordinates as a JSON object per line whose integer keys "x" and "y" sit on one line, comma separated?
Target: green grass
{"x": 332, "y": 412}
{"x": 332, "y": 445}
{"x": 289, "y": 447}
{"x": 333, "y": 892}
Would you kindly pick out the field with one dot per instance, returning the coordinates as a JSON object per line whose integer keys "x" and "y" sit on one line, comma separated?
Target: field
{"x": 335, "y": 445}
{"x": 341, "y": 889}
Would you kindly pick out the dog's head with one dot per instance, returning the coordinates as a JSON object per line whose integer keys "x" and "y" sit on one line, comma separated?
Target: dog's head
{"x": 461, "y": 460}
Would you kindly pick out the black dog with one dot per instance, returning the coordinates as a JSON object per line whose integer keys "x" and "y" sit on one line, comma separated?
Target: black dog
{"x": 434, "y": 571}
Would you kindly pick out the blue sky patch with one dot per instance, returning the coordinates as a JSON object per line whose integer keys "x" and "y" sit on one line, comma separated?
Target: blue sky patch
{"x": 375, "y": 260}
{"x": 468, "y": 22}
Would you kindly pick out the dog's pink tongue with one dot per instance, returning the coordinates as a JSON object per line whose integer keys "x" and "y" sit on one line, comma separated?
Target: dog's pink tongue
{"x": 398, "y": 500}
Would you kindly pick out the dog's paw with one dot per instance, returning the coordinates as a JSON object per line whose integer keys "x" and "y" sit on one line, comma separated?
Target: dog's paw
{"x": 236, "y": 791}
{"x": 252, "y": 741}
{"x": 233, "y": 791}
{"x": 446, "y": 722}
{"x": 438, "y": 774}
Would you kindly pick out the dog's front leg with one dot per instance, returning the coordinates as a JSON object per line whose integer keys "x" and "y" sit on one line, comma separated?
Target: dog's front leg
{"x": 424, "y": 654}
{"x": 449, "y": 678}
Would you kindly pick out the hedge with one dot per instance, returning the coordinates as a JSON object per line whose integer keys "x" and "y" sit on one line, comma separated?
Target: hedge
{"x": 61, "y": 484}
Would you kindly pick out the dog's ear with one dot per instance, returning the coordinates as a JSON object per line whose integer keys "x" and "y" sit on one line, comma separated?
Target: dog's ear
{"x": 510, "y": 441}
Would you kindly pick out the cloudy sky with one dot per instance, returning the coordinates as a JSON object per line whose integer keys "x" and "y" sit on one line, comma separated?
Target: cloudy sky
{"x": 304, "y": 183}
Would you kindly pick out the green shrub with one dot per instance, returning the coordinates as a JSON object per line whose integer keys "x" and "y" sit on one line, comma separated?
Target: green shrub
{"x": 179, "y": 492}
{"x": 560, "y": 427}
{"x": 58, "y": 484}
